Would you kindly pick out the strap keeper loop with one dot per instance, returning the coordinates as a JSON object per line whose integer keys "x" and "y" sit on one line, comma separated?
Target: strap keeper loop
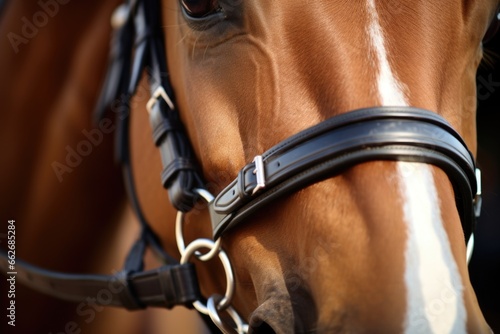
{"x": 126, "y": 292}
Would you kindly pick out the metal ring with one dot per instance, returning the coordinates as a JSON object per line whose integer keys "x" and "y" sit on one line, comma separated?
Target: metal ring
{"x": 224, "y": 259}
{"x": 205, "y": 194}
{"x": 213, "y": 313}
{"x": 179, "y": 236}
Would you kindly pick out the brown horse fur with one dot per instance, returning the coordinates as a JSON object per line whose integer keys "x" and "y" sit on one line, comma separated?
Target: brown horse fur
{"x": 328, "y": 258}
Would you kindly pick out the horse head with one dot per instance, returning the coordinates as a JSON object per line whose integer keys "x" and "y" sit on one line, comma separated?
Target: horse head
{"x": 378, "y": 246}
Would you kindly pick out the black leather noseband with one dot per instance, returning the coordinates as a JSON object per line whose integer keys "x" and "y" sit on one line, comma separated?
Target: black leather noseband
{"x": 329, "y": 148}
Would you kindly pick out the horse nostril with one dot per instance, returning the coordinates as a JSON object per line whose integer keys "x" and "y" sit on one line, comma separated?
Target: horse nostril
{"x": 274, "y": 316}
{"x": 260, "y": 327}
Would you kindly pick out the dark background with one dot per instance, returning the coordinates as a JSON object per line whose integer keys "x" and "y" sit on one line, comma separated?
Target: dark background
{"x": 484, "y": 267}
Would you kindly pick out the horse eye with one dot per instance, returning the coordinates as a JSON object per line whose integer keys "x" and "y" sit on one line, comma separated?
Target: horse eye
{"x": 200, "y": 8}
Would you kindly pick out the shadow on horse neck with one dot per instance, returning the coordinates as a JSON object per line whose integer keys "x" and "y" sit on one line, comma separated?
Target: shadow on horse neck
{"x": 378, "y": 248}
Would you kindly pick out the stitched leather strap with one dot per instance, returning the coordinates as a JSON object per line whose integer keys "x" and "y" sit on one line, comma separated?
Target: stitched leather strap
{"x": 166, "y": 286}
{"x": 180, "y": 174}
{"x": 325, "y": 150}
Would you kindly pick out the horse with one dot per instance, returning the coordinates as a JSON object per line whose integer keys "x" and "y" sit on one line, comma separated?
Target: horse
{"x": 378, "y": 247}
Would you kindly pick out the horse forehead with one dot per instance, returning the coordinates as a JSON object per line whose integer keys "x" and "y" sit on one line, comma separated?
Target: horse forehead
{"x": 322, "y": 34}
{"x": 292, "y": 55}
{"x": 276, "y": 23}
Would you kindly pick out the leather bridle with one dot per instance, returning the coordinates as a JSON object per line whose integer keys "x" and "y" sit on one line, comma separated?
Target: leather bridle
{"x": 341, "y": 142}
{"x": 317, "y": 153}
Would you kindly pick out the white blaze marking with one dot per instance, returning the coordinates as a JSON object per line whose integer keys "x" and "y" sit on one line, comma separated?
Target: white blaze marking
{"x": 434, "y": 288}
{"x": 389, "y": 89}
{"x": 433, "y": 283}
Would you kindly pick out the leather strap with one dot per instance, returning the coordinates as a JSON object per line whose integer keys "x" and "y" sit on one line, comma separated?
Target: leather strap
{"x": 3, "y": 3}
{"x": 180, "y": 174}
{"x": 138, "y": 48}
{"x": 114, "y": 94}
{"x": 166, "y": 286}
{"x": 329, "y": 148}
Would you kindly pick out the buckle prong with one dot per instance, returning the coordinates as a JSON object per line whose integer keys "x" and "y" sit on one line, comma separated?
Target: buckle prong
{"x": 159, "y": 92}
{"x": 478, "y": 198}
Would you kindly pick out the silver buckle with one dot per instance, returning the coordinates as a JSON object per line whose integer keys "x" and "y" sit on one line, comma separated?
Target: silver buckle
{"x": 259, "y": 173}
{"x": 478, "y": 198}
{"x": 159, "y": 92}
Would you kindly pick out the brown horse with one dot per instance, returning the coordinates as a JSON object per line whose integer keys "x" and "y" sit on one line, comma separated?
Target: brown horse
{"x": 378, "y": 248}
